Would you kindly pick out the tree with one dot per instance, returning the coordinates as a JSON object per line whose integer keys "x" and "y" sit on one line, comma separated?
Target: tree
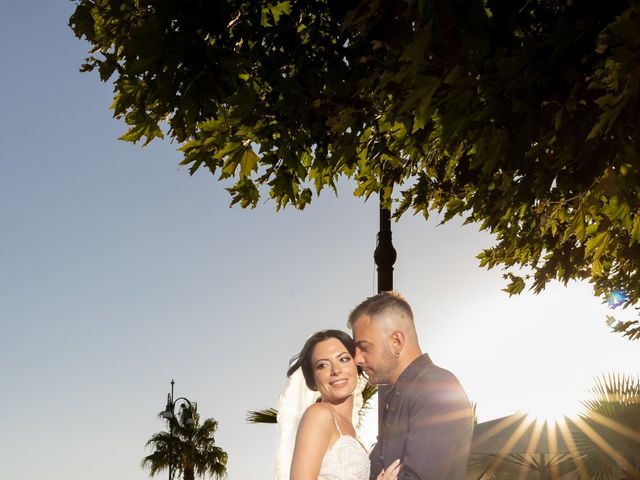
{"x": 611, "y": 424}
{"x": 602, "y": 443}
{"x": 521, "y": 116}
{"x": 188, "y": 447}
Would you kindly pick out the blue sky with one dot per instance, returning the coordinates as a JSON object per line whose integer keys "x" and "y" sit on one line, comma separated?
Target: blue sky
{"x": 121, "y": 272}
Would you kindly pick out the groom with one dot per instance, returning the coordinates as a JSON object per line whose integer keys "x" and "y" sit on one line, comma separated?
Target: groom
{"x": 426, "y": 419}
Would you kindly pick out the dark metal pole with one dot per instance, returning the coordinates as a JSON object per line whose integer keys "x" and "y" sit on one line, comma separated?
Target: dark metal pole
{"x": 169, "y": 414}
{"x": 171, "y": 433}
{"x": 385, "y": 255}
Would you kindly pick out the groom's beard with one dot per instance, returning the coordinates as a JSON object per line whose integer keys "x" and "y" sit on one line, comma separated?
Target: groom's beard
{"x": 383, "y": 371}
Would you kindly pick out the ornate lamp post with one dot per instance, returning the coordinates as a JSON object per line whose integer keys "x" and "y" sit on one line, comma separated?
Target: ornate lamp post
{"x": 384, "y": 256}
{"x": 169, "y": 413}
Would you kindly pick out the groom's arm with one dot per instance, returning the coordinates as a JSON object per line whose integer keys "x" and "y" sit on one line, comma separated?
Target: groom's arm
{"x": 439, "y": 432}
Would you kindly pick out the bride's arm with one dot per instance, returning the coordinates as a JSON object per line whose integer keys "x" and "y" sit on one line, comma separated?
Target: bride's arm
{"x": 312, "y": 441}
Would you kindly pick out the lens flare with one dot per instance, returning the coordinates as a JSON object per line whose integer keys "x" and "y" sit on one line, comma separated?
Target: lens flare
{"x": 616, "y": 298}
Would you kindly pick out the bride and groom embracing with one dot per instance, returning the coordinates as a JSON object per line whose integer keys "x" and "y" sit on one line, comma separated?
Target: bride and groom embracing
{"x": 425, "y": 419}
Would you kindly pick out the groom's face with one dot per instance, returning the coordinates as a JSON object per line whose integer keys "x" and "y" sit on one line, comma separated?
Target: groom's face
{"x": 373, "y": 351}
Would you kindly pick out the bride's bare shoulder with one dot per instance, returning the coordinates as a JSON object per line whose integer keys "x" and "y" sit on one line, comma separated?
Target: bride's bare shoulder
{"x": 318, "y": 412}
{"x": 318, "y": 416}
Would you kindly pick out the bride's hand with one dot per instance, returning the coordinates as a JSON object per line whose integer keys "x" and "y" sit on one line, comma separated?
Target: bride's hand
{"x": 391, "y": 473}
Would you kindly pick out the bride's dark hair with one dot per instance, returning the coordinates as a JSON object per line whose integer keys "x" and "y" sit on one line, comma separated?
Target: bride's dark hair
{"x": 303, "y": 359}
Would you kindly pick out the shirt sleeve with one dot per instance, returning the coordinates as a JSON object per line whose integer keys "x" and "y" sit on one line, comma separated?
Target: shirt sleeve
{"x": 440, "y": 424}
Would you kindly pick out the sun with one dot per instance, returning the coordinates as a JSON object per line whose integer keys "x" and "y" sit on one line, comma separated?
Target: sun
{"x": 552, "y": 408}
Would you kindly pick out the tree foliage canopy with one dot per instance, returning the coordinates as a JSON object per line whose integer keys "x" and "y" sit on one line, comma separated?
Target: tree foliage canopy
{"x": 188, "y": 447}
{"x": 519, "y": 115}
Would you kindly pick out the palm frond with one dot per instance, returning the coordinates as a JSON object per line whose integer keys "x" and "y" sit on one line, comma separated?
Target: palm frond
{"x": 367, "y": 394}
{"x": 533, "y": 463}
{"x": 612, "y": 393}
{"x": 611, "y": 423}
{"x": 268, "y": 415}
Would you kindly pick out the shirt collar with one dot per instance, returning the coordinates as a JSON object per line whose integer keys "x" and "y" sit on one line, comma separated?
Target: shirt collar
{"x": 415, "y": 367}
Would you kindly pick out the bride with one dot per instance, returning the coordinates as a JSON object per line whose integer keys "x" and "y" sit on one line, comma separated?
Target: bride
{"x": 326, "y": 443}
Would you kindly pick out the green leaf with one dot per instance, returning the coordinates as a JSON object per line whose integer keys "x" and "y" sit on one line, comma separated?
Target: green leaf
{"x": 516, "y": 284}
{"x": 279, "y": 9}
{"x": 615, "y": 210}
{"x": 635, "y": 231}
{"x": 248, "y": 161}
{"x": 424, "y": 111}
{"x": 596, "y": 244}
{"x": 576, "y": 227}
{"x": 133, "y": 134}
{"x": 596, "y": 267}
{"x": 245, "y": 193}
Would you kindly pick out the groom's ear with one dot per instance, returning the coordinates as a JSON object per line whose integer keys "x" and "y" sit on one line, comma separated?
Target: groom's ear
{"x": 398, "y": 339}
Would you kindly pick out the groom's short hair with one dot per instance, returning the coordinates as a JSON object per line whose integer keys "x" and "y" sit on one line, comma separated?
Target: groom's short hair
{"x": 378, "y": 304}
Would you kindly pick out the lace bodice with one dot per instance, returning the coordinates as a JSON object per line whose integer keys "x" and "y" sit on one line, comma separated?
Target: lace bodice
{"x": 346, "y": 459}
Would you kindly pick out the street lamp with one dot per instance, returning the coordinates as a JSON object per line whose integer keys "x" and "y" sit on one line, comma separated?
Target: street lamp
{"x": 169, "y": 414}
{"x": 385, "y": 256}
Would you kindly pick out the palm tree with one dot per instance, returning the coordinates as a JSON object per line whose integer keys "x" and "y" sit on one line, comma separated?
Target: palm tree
{"x": 187, "y": 448}
{"x": 603, "y": 443}
{"x": 610, "y": 422}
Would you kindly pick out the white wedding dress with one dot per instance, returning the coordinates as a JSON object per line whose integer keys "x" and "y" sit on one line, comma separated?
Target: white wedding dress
{"x": 346, "y": 459}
